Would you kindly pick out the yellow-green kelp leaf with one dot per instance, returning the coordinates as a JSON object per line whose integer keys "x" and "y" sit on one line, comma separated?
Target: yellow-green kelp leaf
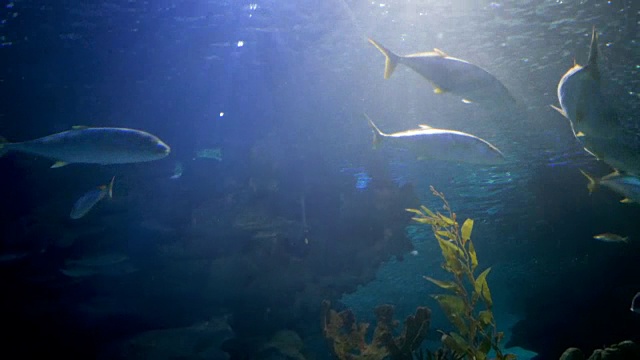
{"x": 485, "y": 345}
{"x": 451, "y": 343}
{"x": 447, "y": 234}
{"x": 485, "y": 317}
{"x": 481, "y": 287}
{"x": 423, "y": 220}
{"x": 449, "y": 249}
{"x": 454, "y": 308}
{"x": 461, "y": 343}
{"x": 427, "y": 211}
{"x": 448, "y": 285}
{"x": 446, "y": 219}
{"x": 415, "y": 211}
{"x": 473, "y": 256}
{"x": 466, "y": 230}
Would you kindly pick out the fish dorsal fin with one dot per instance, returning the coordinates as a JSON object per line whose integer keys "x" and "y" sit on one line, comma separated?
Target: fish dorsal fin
{"x": 425, "y": 127}
{"x": 111, "y": 187}
{"x": 593, "y": 50}
{"x": 79, "y": 127}
{"x": 440, "y": 52}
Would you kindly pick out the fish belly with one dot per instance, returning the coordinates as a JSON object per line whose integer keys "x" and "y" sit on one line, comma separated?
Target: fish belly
{"x": 584, "y": 104}
{"x": 456, "y": 148}
{"x": 459, "y": 77}
{"x": 73, "y": 153}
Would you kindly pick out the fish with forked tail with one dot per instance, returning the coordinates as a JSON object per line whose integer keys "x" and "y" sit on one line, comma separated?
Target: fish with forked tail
{"x": 624, "y": 184}
{"x": 441, "y": 144}
{"x": 85, "y": 203}
{"x": 450, "y": 75}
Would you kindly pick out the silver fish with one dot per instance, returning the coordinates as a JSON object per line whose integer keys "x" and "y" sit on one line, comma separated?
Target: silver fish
{"x": 624, "y": 184}
{"x": 593, "y": 120}
{"x": 85, "y": 203}
{"x": 442, "y": 144}
{"x": 612, "y": 238}
{"x": 93, "y": 146}
{"x": 449, "y": 74}
{"x": 583, "y": 103}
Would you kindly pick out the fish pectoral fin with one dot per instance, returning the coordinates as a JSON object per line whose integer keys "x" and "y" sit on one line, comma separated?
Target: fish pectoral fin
{"x": 58, "y": 164}
{"x": 626, "y": 201}
{"x": 562, "y": 112}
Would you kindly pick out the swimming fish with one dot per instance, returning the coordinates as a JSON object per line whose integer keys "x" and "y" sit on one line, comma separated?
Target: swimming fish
{"x": 213, "y": 153}
{"x": 583, "y": 103}
{"x": 85, "y": 203}
{"x": 635, "y": 303}
{"x": 625, "y": 185}
{"x": 87, "y": 145}
{"x": 593, "y": 120}
{"x": 613, "y": 238}
{"x": 442, "y": 144}
{"x": 449, "y": 74}
{"x": 177, "y": 171}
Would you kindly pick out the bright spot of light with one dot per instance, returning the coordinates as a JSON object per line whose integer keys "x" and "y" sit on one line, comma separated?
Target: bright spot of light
{"x": 240, "y": 43}
{"x": 221, "y": 114}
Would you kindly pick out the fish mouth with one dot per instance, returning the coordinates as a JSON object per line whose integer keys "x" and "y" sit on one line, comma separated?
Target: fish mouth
{"x": 163, "y": 149}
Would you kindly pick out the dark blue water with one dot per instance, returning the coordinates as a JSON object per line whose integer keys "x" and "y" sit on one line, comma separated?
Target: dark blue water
{"x": 200, "y": 256}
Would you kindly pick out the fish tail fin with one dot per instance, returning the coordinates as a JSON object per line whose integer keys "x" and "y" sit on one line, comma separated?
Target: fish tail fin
{"x": 111, "y": 188}
{"x": 593, "y": 50}
{"x": 3, "y": 146}
{"x": 593, "y": 182}
{"x": 378, "y": 135}
{"x": 391, "y": 59}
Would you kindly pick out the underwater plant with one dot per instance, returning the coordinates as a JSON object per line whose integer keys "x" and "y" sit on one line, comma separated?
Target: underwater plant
{"x": 468, "y": 303}
{"x": 347, "y": 337}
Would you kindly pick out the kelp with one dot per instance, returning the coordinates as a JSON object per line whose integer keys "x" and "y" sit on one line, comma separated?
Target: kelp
{"x": 467, "y": 300}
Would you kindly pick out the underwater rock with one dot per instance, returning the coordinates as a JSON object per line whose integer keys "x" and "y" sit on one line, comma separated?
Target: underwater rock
{"x": 572, "y": 354}
{"x": 626, "y": 350}
{"x": 285, "y": 344}
{"x": 199, "y": 341}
